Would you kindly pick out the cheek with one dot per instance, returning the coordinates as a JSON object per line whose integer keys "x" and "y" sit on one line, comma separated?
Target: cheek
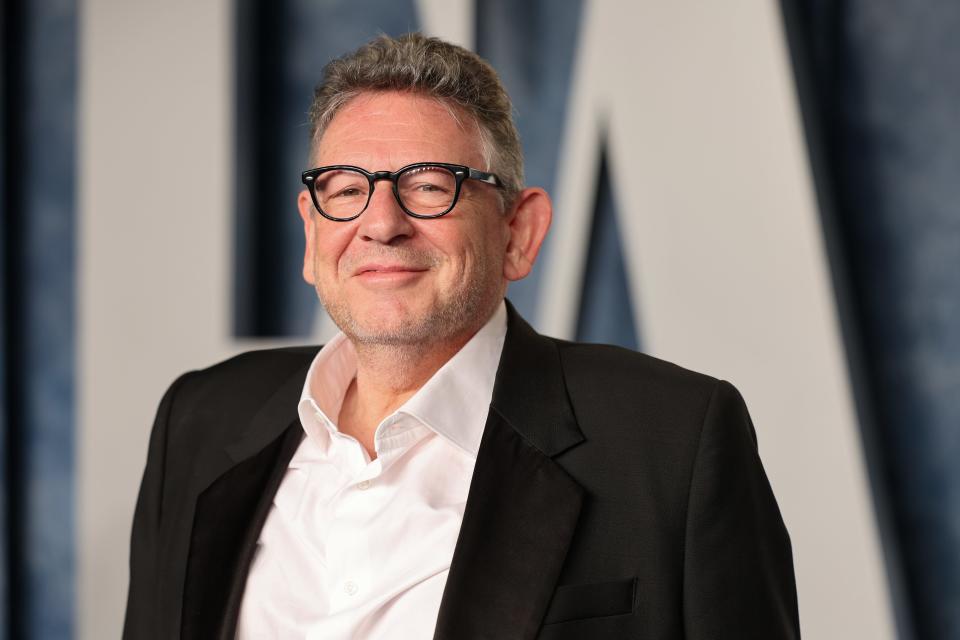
{"x": 464, "y": 249}
{"x": 330, "y": 245}
{"x": 484, "y": 254}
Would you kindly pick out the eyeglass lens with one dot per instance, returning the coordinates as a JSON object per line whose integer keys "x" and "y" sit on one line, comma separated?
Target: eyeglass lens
{"x": 343, "y": 193}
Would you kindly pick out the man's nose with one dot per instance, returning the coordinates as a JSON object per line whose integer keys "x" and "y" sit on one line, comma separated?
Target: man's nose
{"x": 383, "y": 220}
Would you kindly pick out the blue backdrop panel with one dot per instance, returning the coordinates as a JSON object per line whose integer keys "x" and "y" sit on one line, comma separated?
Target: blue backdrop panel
{"x": 282, "y": 48}
{"x": 531, "y": 45}
{"x": 6, "y": 123}
{"x": 38, "y": 314}
{"x": 5, "y": 145}
{"x": 885, "y": 135}
{"x": 606, "y": 308}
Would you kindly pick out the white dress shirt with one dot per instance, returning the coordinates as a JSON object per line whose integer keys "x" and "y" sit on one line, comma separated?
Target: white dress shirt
{"x": 354, "y": 548}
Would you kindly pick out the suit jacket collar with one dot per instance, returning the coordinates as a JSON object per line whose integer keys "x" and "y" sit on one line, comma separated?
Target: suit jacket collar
{"x": 235, "y": 492}
{"x": 521, "y": 511}
{"x": 522, "y": 508}
{"x": 272, "y": 419}
{"x": 530, "y": 391}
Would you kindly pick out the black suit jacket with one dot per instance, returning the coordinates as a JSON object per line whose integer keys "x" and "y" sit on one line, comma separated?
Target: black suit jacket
{"x": 614, "y": 496}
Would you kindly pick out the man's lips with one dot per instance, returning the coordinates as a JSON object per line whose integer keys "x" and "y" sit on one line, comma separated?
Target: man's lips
{"x": 375, "y": 269}
{"x": 389, "y": 276}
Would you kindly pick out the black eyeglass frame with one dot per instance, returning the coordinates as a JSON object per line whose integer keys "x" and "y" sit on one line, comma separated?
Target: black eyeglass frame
{"x": 460, "y": 173}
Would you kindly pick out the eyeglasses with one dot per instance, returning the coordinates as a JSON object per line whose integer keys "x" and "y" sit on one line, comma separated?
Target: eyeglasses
{"x": 424, "y": 189}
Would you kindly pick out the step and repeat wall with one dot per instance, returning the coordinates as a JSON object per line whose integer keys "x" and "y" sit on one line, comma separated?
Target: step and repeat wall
{"x": 710, "y": 166}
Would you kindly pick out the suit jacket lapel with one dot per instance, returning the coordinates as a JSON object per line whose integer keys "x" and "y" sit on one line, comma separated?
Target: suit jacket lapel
{"x": 522, "y": 508}
{"x": 235, "y": 494}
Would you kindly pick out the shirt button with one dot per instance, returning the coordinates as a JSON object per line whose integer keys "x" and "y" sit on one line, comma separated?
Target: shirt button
{"x": 350, "y": 587}
{"x": 363, "y": 485}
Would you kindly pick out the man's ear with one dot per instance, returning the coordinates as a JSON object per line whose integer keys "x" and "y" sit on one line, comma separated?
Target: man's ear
{"x": 305, "y": 204}
{"x": 528, "y": 221}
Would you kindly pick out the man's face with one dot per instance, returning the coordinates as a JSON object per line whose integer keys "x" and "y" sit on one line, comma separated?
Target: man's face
{"x": 388, "y": 278}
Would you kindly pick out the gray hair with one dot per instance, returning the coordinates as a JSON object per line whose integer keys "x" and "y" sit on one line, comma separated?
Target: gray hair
{"x": 429, "y": 66}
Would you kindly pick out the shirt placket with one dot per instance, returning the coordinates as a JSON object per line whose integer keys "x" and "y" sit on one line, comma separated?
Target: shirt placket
{"x": 351, "y": 578}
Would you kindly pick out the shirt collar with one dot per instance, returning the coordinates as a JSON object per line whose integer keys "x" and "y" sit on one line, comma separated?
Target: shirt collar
{"x": 453, "y": 403}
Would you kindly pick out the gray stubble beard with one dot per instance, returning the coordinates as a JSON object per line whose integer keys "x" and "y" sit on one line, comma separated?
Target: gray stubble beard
{"x": 469, "y": 308}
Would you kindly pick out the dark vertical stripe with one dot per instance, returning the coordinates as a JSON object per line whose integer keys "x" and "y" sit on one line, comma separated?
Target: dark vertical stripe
{"x": 244, "y": 186}
{"x": 38, "y": 311}
{"x": 606, "y": 309}
{"x": 4, "y": 426}
{"x": 262, "y": 277}
{"x": 12, "y": 228}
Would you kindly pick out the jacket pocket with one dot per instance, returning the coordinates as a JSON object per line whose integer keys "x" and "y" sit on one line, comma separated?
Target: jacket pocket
{"x": 576, "y": 601}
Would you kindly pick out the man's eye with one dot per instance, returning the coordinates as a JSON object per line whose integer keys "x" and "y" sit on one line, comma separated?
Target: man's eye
{"x": 349, "y": 192}
{"x": 430, "y": 187}
{"x": 427, "y": 181}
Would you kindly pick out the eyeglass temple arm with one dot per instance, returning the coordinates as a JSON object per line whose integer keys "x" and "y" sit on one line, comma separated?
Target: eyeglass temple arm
{"x": 483, "y": 176}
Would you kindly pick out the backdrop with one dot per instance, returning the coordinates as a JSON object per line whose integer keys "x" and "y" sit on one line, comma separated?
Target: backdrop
{"x": 766, "y": 193}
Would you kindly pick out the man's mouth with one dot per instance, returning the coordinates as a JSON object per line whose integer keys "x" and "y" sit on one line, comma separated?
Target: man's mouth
{"x": 389, "y": 275}
{"x": 389, "y": 268}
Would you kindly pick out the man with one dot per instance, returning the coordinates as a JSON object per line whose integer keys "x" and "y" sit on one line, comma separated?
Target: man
{"x": 439, "y": 469}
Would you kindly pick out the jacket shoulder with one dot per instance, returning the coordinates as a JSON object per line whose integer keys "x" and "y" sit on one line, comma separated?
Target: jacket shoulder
{"x": 601, "y": 365}
{"x": 611, "y": 385}
{"x": 212, "y": 402}
{"x": 260, "y": 367}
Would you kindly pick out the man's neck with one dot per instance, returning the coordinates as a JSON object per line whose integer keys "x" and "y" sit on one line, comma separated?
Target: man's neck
{"x": 387, "y": 376}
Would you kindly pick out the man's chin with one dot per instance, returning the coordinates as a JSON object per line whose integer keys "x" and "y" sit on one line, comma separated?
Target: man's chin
{"x": 410, "y": 322}
{"x": 374, "y": 338}
{"x": 408, "y": 329}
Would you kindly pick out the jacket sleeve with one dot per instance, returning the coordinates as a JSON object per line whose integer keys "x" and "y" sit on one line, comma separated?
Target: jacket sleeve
{"x": 738, "y": 564}
{"x": 142, "y": 598}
